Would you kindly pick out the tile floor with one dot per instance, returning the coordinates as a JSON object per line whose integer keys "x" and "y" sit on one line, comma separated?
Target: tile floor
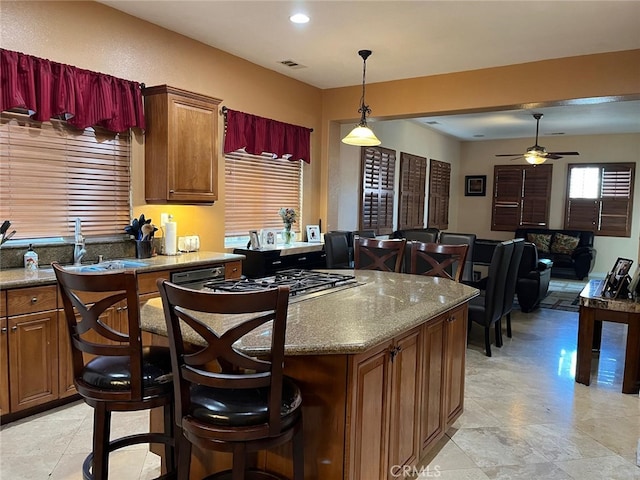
{"x": 525, "y": 418}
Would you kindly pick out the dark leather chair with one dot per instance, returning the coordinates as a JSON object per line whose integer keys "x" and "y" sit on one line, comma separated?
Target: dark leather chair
{"x": 487, "y": 309}
{"x": 534, "y": 276}
{"x": 510, "y": 286}
{"x": 227, "y": 400}
{"x": 469, "y": 239}
{"x": 336, "y": 247}
{"x": 425, "y": 235}
{"x": 122, "y": 375}
{"x": 436, "y": 259}
{"x": 374, "y": 254}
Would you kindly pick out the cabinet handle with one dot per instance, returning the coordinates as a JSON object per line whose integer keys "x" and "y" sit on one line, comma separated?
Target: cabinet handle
{"x": 34, "y": 300}
{"x": 4, "y": 330}
{"x": 302, "y": 259}
{"x": 14, "y": 328}
{"x": 276, "y": 262}
{"x": 395, "y": 351}
{"x": 172, "y": 191}
{"x": 451, "y": 318}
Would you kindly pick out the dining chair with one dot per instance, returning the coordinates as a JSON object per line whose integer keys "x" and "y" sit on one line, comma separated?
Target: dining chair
{"x": 374, "y": 254}
{"x": 436, "y": 260}
{"x": 510, "y": 284}
{"x": 487, "y": 309}
{"x": 226, "y": 399}
{"x": 112, "y": 370}
{"x": 336, "y": 247}
{"x": 468, "y": 239}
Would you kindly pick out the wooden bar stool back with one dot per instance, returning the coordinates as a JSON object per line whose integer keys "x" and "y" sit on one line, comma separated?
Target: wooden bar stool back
{"x": 374, "y": 254}
{"x": 112, "y": 370}
{"x": 228, "y": 400}
{"x": 437, "y": 260}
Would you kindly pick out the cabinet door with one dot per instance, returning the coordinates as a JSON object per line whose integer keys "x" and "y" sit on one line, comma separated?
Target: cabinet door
{"x": 193, "y": 162}
{"x": 404, "y": 424}
{"x": 65, "y": 367}
{"x": 33, "y": 359}
{"x": 456, "y": 347}
{"x": 4, "y": 367}
{"x": 368, "y": 415}
{"x": 432, "y": 403}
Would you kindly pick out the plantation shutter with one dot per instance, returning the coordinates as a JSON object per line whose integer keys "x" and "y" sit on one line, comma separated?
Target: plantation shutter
{"x": 439, "y": 187}
{"x": 521, "y": 195}
{"x": 256, "y": 187}
{"x": 51, "y": 173}
{"x": 378, "y": 175}
{"x": 413, "y": 172}
{"x": 609, "y": 213}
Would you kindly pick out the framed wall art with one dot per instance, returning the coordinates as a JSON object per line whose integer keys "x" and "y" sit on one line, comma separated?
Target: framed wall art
{"x": 475, "y": 185}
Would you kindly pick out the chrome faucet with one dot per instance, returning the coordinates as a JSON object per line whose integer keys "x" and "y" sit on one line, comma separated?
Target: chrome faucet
{"x": 78, "y": 250}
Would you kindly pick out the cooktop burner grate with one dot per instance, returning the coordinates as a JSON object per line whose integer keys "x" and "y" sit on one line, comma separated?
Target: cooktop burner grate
{"x": 299, "y": 281}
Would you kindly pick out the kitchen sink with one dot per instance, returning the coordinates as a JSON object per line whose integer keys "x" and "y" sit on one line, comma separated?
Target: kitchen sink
{"x": 100, "y": 267}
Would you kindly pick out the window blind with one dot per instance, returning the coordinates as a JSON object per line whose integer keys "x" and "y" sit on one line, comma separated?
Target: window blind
{"x": 377, "y": 189}
{"x": 256, "y": 187}
{"x": 439, "y": 187}
{"x": 413, "y": 173}
{"x": 51, "y": 173}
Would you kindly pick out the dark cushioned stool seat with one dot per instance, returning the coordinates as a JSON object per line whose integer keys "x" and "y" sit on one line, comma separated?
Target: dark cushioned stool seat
{"x": 114, "y": 373}
{"x": 242, "y": 408}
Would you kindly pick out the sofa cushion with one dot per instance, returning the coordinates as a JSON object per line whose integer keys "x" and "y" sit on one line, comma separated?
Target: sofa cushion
{"x": 564, "y": 244}
{"x": 540, "y": 240}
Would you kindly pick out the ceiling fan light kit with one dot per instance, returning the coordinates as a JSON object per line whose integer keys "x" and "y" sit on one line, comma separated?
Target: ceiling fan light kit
{"x": 362, "y": 135}
{"x": 537, "y": 155}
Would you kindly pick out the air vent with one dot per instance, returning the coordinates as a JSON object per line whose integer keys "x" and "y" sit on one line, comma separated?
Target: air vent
{"x": 432, "y": 122}
{"x": 292, "y": 64}
{"x": 556, "y": 133}
{"x": 478, "y": 135}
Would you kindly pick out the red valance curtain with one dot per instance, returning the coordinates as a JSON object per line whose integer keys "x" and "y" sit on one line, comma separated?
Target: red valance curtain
{"x": 258, "y": 134}
{"x": 54, "y": 90}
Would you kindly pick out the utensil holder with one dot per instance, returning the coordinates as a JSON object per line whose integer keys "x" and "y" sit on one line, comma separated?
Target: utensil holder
{"x": 143, "y": 249}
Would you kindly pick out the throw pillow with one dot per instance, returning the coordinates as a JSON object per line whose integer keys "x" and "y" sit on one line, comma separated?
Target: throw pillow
{"x": 540, "y": 240}
{"x": 564, "y": 243}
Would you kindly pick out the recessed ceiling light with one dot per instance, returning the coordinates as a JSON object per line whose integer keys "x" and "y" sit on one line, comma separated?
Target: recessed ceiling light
{"x": 299, "y": 18}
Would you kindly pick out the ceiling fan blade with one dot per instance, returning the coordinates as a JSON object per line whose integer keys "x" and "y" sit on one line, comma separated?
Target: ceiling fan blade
{"x": 553, "y": 156}
{"x": 509, "y": 155}
{"x": 563, "y": 153}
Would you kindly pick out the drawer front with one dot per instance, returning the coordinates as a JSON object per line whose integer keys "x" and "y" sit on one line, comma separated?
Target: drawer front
{"x": 31, "y": 300}
{"x": 147, "y": 281}
{"x": 232, "y": 270}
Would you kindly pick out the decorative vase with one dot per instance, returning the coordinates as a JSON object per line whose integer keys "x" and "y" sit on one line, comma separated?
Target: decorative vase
{"x": 287, "y": 234}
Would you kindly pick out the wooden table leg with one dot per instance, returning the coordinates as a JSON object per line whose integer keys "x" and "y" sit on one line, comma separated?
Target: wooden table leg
{"x": 597, "y": 335}
{"x": 631, "y": 378}
{"x": 585, "y": 343}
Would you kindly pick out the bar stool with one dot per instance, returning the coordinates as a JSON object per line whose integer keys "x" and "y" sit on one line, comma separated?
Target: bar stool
{"x": 374, "y": 254}
{"x": 228, "y": 400}
{"x": 436, "y": 260}
{"x": 121, "y": 375}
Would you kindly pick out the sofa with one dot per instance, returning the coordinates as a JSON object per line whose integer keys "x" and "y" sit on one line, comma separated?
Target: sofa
{"x": 534, "y": 275}
{"x": 571, "y": 251}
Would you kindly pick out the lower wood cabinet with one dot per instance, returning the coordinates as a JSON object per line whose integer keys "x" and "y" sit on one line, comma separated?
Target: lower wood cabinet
{"x": 455, "y": 354}
{"x": 4, "y": 356}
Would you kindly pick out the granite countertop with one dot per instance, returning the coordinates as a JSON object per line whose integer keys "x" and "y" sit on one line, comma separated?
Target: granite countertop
{"x": 19, "y": 277}
{"x": 591, "y": 296}
{"x": 349, "y": 320}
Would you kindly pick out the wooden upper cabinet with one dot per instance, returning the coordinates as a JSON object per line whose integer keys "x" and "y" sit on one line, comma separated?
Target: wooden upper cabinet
{"x": 181, "y": 146}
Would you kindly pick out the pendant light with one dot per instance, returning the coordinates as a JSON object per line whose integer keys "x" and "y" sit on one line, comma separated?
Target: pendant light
{"x": 362, "y": 135}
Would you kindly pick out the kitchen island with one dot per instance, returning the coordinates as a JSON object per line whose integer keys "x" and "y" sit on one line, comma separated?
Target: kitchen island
{"x": 381, "y": 369}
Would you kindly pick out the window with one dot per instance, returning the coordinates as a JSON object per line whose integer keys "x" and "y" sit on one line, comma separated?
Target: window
{"x": 257, "y": 186}
{"x": 378, "y": 176}
{"x": 521, "y": 196}
{"x": 439, "y": 184}
{"x": 599, "y": 198}
{"x": 51, "y": 173}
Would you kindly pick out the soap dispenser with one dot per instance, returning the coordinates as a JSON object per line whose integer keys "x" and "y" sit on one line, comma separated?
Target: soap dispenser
{"x": 31, "y": 259}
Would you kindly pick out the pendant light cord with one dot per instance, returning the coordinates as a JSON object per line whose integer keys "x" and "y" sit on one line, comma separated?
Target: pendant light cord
{"x": 364, "y": 109}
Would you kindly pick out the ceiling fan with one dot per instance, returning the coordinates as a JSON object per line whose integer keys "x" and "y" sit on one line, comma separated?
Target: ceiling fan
{"x": 536, "y": 155}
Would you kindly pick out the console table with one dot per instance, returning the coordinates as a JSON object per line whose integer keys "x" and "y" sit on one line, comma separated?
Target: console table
{"x": 262, "y": 263}
{"x": 594, "y": 310}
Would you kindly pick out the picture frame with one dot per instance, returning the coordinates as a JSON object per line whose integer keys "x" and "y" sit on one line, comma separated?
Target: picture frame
{"x": 475, "y": 185}
{"x": 635, "y": 282}
{"x": 254, "y": 240}
{"x": 313, "y": 233}
{"x": 269, "y": 239}
{"x": 617, "y": 281}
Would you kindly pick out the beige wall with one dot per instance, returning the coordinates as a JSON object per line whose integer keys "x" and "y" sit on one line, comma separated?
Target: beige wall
{"x": 92, "y": 36}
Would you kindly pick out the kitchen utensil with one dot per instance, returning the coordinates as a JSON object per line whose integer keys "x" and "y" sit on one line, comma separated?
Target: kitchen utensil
{"x": 147, "y": 231}
{"x": 5, "y": 226}
{"x": 8, "y": 237}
